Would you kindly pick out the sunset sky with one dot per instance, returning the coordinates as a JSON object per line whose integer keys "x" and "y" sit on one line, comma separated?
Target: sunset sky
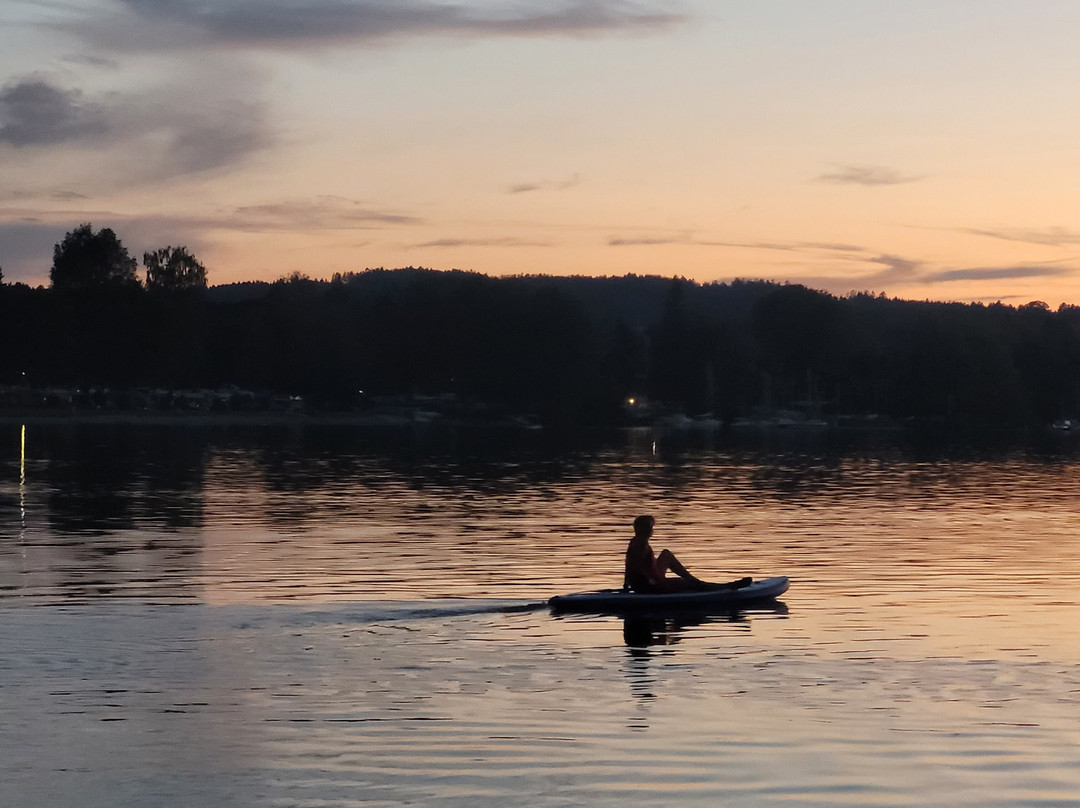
{"x": 927, "y": 150}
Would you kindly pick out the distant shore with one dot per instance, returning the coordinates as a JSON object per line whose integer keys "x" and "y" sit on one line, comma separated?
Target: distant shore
{"x": 216, "y": 418}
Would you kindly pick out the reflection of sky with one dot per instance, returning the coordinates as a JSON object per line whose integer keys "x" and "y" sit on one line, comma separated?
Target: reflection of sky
{"x": 926, "y": 649}
{"x": 133, "y": 704}
{"x": 256, "y": 517}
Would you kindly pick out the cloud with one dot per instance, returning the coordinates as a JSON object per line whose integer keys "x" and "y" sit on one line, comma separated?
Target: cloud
{"x": 183, "y": 24}
{"x": 1050, "y": 237}
{"x": 481, "y": 242}
{"x": 995, "y": 273}
{"x": 52, "y": 195}
{"x": 205, "y": 141}
{"x": 34, "y": 112}
{"x": 866, "y": 175}
{"x": 320, "y": 213}
{"x": 191, "y": 125}
{"x": 779, "y": 246}
{"x": 875, "y": 270}
{"x": 895, "y": 268}
{"x": 868, "y": 269}
{"x": 545, "y": 185}
{"x": 646, "y": 241}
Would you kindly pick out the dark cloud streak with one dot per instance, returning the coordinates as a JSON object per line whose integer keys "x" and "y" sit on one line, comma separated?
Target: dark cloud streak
{"x": 869, "y": 176}
{"x": 1050, "y": 237}
{"x": 995, "y": 273}
{"x": 646, "y": 241}
{"x": 545, "y": 185}
{"x": 283, "y": 24}
{"x": 321, "y": 213}
{"x": 480, "y": 242}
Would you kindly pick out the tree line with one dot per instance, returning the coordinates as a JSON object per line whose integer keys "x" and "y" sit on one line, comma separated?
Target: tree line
{"x": 570, "y": 350}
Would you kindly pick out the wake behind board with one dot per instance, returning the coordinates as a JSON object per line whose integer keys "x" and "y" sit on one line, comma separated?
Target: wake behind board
{"x": 619, "y": 600}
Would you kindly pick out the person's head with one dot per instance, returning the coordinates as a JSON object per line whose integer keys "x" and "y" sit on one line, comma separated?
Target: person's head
{"x": 643, "y": 526}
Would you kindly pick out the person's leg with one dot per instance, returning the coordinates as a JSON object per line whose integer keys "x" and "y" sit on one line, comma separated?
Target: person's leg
{"x": 739, "y": 584}
{"x": 667, "y": 561}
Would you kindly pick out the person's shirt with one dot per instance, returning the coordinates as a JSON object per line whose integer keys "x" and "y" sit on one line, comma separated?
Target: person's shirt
{"x": 640, "y": 569}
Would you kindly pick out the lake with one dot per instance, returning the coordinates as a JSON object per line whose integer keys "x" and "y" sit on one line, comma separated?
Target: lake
{"x": 323, "y": 615}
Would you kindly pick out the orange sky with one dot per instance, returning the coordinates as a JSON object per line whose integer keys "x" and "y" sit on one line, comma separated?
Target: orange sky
{"x": 924, "y": 150}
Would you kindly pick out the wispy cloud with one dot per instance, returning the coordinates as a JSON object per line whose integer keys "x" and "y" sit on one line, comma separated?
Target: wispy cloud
{"x": 866, "y": 175}
{"x": 894, "y": 269}
{"x": 867, "y": 268}
{"x": 545, "y": 185}
{"x": 782, "y": 246}
{"x": 646, "y": 241}
{"x": 691, "y": 241}
{"x": 996, "y": 273}
{"x": 27, "y": 233}
{"x": 279, "y": 24}
{"x": 52, "y": 195}
{"x": 481, "y": 242}
{"x": 320, "y": 213}
{"x": 1050, "y": 237}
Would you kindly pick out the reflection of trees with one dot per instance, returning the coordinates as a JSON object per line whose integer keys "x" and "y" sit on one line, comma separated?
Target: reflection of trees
{"x": 109, "y": 479}
{"x": 312, "y": 472}
{"x": 122, "y": 504}
{"x": 795, "y": 466}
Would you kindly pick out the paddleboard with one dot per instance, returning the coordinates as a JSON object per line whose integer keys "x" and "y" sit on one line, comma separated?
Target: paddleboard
{"x": 618, "y": 600}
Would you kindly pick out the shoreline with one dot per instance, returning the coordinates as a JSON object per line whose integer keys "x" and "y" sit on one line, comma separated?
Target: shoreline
{"x": 149, "y": 418}
{"x": 424, "y": 419}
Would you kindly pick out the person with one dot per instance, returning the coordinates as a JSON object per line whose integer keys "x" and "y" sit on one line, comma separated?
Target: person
{"x": 648, "y": 573}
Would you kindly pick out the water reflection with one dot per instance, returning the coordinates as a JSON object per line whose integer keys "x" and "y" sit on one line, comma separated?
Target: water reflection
{"x": 107, "y": 480}
{"x": 640, "y": 631}
{"x": 651, "y": 640}
{"x": 332, "y": 512}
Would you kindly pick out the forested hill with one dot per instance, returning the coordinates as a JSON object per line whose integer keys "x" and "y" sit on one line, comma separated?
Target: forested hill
{"x": 567, "y": 350}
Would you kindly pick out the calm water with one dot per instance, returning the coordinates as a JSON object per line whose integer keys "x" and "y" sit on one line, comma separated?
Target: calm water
{"x": 329, "y": 617}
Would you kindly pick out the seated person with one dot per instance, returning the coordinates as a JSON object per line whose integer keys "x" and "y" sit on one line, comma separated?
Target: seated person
{"x": 647, "y": 573}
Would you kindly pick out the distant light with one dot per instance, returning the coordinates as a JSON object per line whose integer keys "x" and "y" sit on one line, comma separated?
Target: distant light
{"x": 631, "y": 401}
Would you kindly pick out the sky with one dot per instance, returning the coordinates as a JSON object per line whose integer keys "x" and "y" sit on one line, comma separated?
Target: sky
{"x": 920, "y": 149}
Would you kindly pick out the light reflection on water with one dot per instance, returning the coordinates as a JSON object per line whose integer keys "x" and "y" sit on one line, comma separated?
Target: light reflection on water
{"x": 324, "y": 617}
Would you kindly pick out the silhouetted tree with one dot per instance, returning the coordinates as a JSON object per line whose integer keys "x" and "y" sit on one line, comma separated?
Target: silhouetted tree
{"x": 87, "y": 260}
{"x": 797, "y": 329}
{"x": 566, "y": 349}
{"x": 173, "y": 269}
{"x": 678, "y": 364}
